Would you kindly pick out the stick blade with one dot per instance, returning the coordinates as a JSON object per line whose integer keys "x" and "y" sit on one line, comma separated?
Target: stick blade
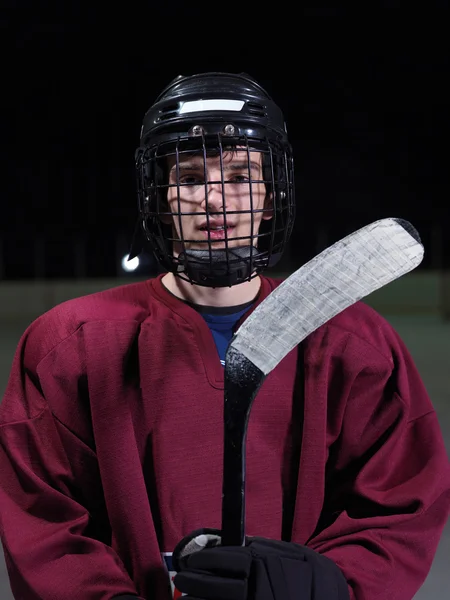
{"x": 338, "y": 277}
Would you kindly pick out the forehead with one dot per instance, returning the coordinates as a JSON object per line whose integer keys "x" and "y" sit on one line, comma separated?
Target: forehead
{"x": 236, "y": 157}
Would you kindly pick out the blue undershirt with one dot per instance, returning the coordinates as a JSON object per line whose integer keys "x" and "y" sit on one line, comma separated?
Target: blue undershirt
{"x": 221, "y": 321}
{"x": 222, "y": 328}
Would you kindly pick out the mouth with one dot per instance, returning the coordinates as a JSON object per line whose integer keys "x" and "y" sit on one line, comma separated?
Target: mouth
{"x": 217, "y": 232}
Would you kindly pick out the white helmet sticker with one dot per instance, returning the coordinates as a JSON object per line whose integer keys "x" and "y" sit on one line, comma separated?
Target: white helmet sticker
{"x": 214, "y": 104}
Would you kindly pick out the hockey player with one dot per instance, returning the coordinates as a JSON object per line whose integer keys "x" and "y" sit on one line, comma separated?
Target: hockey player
{"x": 111, "y": 426}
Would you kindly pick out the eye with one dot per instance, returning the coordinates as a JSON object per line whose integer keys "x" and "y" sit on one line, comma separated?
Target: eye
{"x": 191, "y": 180}
{"x": 239, "y": 179}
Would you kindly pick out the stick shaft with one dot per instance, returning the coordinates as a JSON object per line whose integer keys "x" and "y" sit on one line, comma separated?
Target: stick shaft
{"x": 241, "y": 386}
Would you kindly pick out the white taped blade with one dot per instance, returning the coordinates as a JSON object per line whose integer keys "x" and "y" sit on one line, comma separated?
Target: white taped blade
{"x": 344, "y": 273}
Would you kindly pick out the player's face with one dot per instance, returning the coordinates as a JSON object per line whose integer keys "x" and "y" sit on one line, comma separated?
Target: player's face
{"x": 240, "y": 191}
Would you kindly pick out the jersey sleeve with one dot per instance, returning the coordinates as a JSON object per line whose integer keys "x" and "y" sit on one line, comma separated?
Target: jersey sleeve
{"x": 53, "y": 546}
{"x": 387, "y": 496}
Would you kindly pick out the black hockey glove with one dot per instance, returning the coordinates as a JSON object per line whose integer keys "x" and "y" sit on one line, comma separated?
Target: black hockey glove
{"x": 262, "y": 570}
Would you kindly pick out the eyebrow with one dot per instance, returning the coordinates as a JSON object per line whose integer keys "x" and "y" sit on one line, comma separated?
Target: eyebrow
{"x": 231, "y": 167}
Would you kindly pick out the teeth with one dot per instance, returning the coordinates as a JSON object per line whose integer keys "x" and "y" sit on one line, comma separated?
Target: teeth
{"x": 215, "y": 228}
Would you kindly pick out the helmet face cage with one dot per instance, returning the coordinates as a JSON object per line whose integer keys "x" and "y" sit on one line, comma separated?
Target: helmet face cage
{"x": 226, "y": 258}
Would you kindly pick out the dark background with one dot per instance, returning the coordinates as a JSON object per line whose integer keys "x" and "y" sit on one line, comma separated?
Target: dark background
{"x": 363, "y": 90}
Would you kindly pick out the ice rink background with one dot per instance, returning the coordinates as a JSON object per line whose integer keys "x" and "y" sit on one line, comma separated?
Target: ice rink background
{"x": 428, "y": 339}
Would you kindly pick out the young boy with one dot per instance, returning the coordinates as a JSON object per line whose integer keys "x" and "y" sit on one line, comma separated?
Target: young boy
{"x": 111, "y": 428}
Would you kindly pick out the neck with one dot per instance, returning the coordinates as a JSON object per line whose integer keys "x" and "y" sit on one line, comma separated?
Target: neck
{"x": 205, "y": 296}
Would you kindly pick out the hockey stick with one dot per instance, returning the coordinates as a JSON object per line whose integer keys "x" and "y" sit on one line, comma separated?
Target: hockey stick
{"x": 344, "y": 273}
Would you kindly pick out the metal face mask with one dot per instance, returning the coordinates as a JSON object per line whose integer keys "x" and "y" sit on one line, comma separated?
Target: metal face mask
{"x": 215, "y": 180}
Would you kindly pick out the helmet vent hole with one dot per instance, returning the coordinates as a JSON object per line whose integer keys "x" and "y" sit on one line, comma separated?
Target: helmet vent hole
{"x": 168, "y": 112}
{"x": 256, "y": 109}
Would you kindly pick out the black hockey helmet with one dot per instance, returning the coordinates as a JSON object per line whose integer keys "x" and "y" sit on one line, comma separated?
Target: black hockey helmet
{"x": 210, "y": 114}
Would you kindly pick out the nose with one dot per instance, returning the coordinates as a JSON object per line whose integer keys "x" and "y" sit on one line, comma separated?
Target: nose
{"x": 214, "y": 200}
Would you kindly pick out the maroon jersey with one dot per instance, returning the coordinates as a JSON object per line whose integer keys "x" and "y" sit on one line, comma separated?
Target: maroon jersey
{"x": 111, "y": 433}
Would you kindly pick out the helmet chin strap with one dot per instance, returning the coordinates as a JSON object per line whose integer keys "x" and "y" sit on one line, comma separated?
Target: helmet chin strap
{"x": 219, "y": 268}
